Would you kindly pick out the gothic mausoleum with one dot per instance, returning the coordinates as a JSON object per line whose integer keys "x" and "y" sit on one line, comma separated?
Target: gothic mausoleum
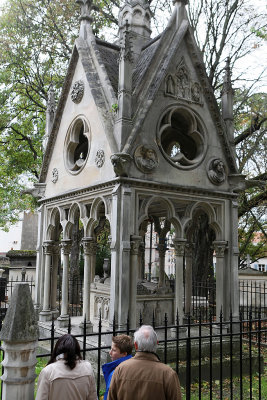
{"x": 137, "y": 137}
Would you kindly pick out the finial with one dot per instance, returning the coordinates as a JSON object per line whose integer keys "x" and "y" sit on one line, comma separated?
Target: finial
{"x": 86, "y": 8}
{"x": 51, "y": 103}
{"x": 126, "y": 48}
{"x": 227, "y": 84}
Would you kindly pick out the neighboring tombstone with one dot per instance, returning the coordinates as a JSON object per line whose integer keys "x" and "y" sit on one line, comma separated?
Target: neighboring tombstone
{"x": 20, "y": 339}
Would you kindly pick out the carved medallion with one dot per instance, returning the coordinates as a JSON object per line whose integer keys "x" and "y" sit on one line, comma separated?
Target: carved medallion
{"x": 146, "y": 159}
{"x": 100, "y": 158}
{"x": 54, "y": 175}
{"x": 77, "y": 92}
{"x": 216, "y": 171}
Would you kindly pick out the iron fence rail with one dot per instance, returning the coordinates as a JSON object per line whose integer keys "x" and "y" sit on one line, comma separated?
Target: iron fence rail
{"x": 252, "y": 295}
{"x": 205, "y": 353}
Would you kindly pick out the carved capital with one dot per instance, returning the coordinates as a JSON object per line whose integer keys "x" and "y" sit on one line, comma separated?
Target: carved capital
{"x": 66, "y": 246}
{"x": 135, "y": 244}
{"x": 179, "y": 247}
{"x": 89, "y": 246}
{"x": 219, "y": 248}
{"x": 48, "y": 247}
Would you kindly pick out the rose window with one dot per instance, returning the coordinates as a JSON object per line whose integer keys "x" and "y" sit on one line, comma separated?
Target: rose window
{"x": 181, "y": 138}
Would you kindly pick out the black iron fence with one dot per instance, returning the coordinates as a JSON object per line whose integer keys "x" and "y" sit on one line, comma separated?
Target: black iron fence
{"x": 252, "y": 298}
{"x": 6, "y": 291}
{"x": 252, "y": 295}
{"x": 224, "y": 360}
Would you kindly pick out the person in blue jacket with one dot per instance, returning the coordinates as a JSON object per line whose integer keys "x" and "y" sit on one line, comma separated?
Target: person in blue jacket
{"x": 121, "y": 350}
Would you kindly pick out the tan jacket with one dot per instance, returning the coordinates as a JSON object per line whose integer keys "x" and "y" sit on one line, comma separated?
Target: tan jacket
{"x": 58, "y": 382}
{"x": 144, "y": 377}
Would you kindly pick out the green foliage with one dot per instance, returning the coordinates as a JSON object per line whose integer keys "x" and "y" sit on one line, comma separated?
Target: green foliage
{"x": 36, "y": 40}
{"x": 251, "y": 145}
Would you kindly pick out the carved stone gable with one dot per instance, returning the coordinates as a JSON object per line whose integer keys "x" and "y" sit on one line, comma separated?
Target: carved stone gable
{"x": 181, "y": 86}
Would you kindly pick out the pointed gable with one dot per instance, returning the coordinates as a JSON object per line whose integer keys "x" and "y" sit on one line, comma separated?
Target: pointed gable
{"x": 166, "y": 70}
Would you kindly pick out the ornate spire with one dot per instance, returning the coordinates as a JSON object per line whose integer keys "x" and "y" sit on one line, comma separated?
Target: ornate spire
{"x": 51, "y": 103}
{"x": 227, "y": 96}
{"x": 227, "y": 84}
{"x": 138, "y": 15}
{"x": 126, "y": 47}
{"x": 50, "y": 113}
{"x": 86, "y": 8}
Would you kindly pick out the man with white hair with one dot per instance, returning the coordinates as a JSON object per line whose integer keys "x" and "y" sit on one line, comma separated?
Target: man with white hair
{"x": 144, "y": 377}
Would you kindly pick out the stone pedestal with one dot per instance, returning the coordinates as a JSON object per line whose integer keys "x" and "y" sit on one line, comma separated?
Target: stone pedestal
{"x": 20, "y": 340}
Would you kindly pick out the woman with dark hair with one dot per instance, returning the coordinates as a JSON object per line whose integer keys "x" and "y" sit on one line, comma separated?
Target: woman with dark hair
{"x": 66, "y": 376}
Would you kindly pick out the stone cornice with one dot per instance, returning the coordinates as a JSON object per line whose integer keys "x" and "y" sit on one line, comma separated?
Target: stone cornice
{"x": 109, "y": 185}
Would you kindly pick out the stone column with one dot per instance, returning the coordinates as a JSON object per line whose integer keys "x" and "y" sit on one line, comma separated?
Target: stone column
{"x": 141, "y": 261}
{"x": 64, "y": 316}
{"x": 179, "y": 247}
{"x": 54, "y": 308}
{"x": 134, "y": 267}
{"x": 122, "y": 222}
{"x": 162, "y": 252}
{"x": 39, "y": 261}
{"x": 234, "y": 255}
{"x": 188, "y": 277}
{"x": 219, "y": 247}
{"x": 89, "y": 247}
{"x": 93, "y": 261}
{"x": 20, "y": 341}
{"x": 46, "y": 314}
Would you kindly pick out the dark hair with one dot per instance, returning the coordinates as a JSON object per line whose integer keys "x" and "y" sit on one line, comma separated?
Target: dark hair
{"x": 124, "y": 343}
{"x": 69, "y": 346}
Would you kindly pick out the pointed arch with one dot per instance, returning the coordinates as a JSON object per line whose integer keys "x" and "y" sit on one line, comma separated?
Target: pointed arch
{"x": 53, "y": 226}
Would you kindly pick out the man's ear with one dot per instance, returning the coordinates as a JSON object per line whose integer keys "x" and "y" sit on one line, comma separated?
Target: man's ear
{"x": 135, "y": 346}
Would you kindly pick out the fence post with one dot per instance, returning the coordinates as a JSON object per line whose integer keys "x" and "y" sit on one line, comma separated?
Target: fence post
{"x": 20, "y": 339}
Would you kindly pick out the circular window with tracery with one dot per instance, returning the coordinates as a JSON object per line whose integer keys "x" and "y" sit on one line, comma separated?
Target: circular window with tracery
{"x": 77, "y": 145}
{"x": 181, "y": 138}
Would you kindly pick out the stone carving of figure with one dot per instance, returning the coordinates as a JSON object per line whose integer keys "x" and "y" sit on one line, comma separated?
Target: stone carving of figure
{"x": 170, "y": 85}
{"x": 195, "y": 91}
{"x": 146, "y": 159}
{"x": 183, "y": 83}
{"x": 216, "y": 172}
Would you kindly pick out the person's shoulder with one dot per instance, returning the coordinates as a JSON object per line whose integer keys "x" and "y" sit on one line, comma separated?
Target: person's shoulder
{"x": 166, "y": 368}
{"x": 84, "y": 364}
